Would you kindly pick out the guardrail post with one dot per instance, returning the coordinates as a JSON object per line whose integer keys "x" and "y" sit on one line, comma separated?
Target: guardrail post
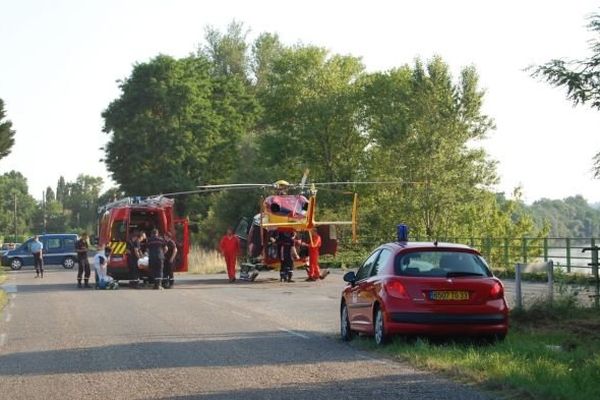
{"x": 568, "y": 244}
{"x": 550, "y": 267}
{"x": 518, "y": 293}
{"x": 594, "y": 264}
{"x": 506, "y": 253}
{"x": 545, "y": 249}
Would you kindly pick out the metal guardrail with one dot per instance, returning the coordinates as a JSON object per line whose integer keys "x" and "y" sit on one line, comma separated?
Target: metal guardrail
{"x": 503, "y": 252}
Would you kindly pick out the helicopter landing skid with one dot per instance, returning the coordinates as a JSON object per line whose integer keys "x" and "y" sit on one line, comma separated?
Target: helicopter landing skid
{"x": 248, "y": 272}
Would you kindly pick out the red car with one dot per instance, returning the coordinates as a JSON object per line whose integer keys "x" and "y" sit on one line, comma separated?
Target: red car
{"x": 423, "y": 289}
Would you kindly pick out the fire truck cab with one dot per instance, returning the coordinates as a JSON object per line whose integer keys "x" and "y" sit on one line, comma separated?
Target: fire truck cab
{"x": 119, "y": 220}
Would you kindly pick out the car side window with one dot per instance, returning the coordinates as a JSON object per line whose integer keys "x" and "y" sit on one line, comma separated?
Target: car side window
{"x": 365, "y": 269}
{"x": 70, "y": 244}
{"x": 53, "y": 243}
{"x": 27, "y": 246}
{"x": 383, "y": 258}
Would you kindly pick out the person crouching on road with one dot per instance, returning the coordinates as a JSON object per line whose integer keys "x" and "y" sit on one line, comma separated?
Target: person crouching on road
{"x": 168, "y": 277}
{"x": 156, "y": 257}
{"x": 103, "y": 280}
{"x": 230, "y": 246}
{"x": 82, "y": 247}
{"x": 133, "y": 255}
{"x": 36, "y": 250}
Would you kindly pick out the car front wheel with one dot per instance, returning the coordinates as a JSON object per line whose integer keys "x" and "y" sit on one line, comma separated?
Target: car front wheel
{"x": 380, "y": 336}
{"x": 68, "y": 263}
{"x": 345, "y": 330}
{"x": 16, "y": 264}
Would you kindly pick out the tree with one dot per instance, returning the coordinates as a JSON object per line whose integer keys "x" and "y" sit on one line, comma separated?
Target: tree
{"x": 50, "y": 196}
{"x": 265, "y": 50}
{"x": 6, "y": 133}
{"x": 227, "y": 51}
{"x": 422, "y": 128}
{"x": 176, "y": 125}
{"x": 310, "y": 115}
{"x": 61, "y": 189}
{"x": 81, "y": 199}
{"x": 581, "y": 78}
{"x": 14, "y": 190}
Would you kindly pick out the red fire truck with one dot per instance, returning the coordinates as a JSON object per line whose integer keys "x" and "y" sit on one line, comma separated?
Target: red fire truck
{"x": 119, "y": 220}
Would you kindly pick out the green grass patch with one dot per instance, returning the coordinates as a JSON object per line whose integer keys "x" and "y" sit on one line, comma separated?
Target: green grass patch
{"x": 3, "y": 297}
{"x": 549, "y": 353}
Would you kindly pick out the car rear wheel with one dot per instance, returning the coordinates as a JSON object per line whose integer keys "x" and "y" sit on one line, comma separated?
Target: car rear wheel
{"x": 16, "y": 264}
{"x": 345, "y": 330}
{"x": 380, "y": 336}
{"x": 68, "y": 263}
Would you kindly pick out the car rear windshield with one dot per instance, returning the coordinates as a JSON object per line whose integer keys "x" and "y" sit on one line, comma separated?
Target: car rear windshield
{"x": 441, "y": 264}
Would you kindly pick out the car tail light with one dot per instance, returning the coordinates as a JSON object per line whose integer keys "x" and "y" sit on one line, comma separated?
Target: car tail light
{"x": 497, "y": 290}
{"x": 396, "y": 289}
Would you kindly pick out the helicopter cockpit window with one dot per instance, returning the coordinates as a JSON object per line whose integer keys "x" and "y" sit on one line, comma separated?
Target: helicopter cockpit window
{"x": 300, "y": 207}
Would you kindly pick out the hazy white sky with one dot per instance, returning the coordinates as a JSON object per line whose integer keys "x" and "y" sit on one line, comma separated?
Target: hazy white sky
{"x": 60, "y": 60}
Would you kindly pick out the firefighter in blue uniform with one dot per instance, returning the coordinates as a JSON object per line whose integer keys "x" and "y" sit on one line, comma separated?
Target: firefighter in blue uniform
{"x": 156, "y": 257}
{"x": 168, "y": 277}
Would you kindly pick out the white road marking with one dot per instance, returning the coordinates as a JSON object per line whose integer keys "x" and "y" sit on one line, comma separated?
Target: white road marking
{"x": 301, "y": 335}
{"x": 2, "y": 339}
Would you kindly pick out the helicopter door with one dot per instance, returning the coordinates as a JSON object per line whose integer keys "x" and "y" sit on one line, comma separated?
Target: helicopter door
{"x": 241, "y": 231}
{"x": 182, "y": 239}
{"x": 329, "y": 242}
{"x": 242, "y": 228}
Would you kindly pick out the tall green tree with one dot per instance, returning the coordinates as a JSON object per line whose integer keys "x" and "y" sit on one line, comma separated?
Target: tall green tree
{"x": 14, "y": 195}
{"x": 82, "y": 201}
{"x": 581, "y": 78}
{"x": 7, "y": 134}
{"x": 310, "y": 115}
{"x": 422, "y": 128}
{"x": 228, "y": 52}
{"x": 176, "y": 125}
{"x": 61, "y": 189}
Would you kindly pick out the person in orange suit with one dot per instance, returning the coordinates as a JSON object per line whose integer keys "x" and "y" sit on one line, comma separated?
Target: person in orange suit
{"x": 314, "y": 244}
{"x": 230, "y": 246}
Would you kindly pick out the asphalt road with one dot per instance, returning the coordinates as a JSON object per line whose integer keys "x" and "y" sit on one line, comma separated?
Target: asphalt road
{"x": 204, "y": 339}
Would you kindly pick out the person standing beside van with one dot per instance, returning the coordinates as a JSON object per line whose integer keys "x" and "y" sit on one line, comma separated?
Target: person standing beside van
{"x": 82, "y": 246}
{"x": 168, "y": 276}
{"x": 36, "y": 250}
{"x": 156, "y": 257}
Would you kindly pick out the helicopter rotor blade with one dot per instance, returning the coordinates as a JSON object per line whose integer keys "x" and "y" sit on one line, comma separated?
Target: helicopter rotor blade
{"x": 400, "y": 182}
{"x": 217, "y": 188}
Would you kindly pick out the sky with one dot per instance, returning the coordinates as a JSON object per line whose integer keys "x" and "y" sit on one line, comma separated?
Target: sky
{"x": 60, "y": 61}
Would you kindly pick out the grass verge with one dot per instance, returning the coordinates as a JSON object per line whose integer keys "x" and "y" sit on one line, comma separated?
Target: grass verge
{"x": 550, "y": 353}
{"x": 3, "y": 297}
{"x": 203, "y": 261}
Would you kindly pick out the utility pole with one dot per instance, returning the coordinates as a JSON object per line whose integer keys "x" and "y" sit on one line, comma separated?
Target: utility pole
{"x": 15, "y": 216}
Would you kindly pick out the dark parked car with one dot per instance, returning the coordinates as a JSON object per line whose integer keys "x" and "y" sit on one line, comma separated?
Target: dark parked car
{"x": 423, "y": 288}
{"x": 59, "y": 249}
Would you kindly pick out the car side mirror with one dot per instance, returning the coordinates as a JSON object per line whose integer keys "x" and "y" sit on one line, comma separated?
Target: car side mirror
{"x": 350, "y": 277}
